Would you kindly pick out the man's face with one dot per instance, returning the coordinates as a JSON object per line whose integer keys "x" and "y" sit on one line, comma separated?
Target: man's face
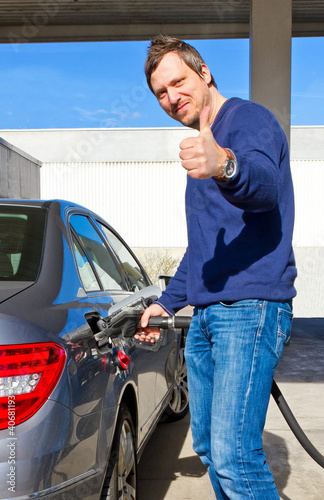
{"x": 181, "y": 93}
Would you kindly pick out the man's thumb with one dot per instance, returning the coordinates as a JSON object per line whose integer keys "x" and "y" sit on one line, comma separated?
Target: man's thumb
{"x": 204, "y": 120}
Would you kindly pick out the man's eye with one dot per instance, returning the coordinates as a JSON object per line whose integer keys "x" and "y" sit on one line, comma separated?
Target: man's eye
{"x": 161, "y": 95}
{"x": 179, "y": 83}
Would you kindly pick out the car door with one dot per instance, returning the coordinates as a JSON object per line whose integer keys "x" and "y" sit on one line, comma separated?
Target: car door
{"x": 102, "y": 275}
{"x": 155, "y": 369}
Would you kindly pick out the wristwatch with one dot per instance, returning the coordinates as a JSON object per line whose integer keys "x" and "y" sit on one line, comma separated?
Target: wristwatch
{"x": 229, "y": 167}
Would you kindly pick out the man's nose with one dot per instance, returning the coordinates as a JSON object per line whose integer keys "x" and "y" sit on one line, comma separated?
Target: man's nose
{"x": 173, "y": 96}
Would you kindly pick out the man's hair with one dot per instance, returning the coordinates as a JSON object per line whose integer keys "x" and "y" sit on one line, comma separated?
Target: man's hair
{"x": 162, "y": 45}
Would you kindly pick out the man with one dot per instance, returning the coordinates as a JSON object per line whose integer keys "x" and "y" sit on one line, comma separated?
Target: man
{"x": 238, "y": 270}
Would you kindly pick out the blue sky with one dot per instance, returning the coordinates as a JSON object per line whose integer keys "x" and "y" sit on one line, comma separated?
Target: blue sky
{"x": 102, "y": 84}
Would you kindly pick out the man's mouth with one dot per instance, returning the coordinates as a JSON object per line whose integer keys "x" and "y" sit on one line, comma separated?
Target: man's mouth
{"x": 181, "y": 108}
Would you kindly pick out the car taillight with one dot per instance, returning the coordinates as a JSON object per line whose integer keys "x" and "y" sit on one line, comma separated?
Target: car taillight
{"x": 28, "y": 375}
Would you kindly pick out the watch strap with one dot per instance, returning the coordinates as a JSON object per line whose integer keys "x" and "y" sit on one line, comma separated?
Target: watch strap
{"x": 230, "y": 158}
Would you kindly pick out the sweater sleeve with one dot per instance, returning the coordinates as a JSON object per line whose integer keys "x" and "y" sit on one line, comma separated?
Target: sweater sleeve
{"x": 174, "y": 297}
{"x": 260, "y": 146}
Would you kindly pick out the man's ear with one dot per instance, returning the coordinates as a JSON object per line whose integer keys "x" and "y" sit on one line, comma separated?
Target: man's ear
{"x": 205, "y": 74}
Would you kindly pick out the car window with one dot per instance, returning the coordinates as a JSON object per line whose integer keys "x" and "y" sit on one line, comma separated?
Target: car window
{"x": 21, "y": 242}
{"x": 95, "y": 256}
{"x": 131, "y": 267}
{"x": 88, "y": 277}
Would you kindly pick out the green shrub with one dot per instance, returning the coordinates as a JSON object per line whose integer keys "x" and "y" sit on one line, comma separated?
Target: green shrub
{"x": 157, "y": 262}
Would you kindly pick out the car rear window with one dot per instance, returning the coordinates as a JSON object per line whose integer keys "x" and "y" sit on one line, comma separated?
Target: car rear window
{"x": 21, "y": 242}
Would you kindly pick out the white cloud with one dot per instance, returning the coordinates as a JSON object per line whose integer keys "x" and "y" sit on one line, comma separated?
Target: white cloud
{"x": 95, "y": 116}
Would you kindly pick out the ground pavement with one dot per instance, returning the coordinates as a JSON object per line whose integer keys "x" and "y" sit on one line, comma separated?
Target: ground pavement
{"x": 170, "y": 470}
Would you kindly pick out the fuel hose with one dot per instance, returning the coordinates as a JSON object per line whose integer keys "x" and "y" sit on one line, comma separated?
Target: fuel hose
{"x": 294, "y": 425}
{"x": 166, "y": 322}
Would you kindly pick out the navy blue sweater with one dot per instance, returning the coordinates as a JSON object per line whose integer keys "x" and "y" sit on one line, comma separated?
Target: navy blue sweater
{"x": 239, "y": 231}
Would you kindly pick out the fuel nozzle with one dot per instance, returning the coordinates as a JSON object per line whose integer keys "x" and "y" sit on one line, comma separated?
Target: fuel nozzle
{"x": 164, "y": 323}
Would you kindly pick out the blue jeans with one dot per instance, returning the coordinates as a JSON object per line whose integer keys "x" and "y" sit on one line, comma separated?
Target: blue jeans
{"x": 231, "y": 353}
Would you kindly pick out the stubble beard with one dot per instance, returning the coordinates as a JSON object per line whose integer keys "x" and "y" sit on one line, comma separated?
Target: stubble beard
{"x": 190, "y": 121}
{"x": 193, "y": 120}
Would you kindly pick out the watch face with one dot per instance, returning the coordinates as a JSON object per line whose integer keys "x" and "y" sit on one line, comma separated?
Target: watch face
{"x": 230, "y": 168}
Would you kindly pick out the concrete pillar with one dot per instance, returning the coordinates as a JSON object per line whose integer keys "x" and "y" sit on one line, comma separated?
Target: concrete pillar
{"x": 19, "y": 173}
{"x": 270, "y": 57}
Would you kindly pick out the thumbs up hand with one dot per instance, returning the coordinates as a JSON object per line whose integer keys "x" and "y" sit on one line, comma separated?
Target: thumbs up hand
{"x": 201, "y": 156}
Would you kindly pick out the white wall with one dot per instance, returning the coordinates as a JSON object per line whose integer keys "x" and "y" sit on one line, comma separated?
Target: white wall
{"x": 133, "y": 178}
{"x": 143, "y": 201}
{"x": 308, "y": 241}
{"x": 100, "y": 145}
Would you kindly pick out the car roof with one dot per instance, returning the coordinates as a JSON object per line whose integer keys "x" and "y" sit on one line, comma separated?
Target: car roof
{"x": 42, "y": 203}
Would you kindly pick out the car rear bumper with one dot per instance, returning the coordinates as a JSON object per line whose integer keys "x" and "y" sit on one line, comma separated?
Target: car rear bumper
{"x": 53, "y": 455}
{"x": 86, "y": 486}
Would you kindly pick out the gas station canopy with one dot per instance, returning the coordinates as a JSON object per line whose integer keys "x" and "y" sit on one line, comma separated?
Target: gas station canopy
{"x": 94, "y": 20}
